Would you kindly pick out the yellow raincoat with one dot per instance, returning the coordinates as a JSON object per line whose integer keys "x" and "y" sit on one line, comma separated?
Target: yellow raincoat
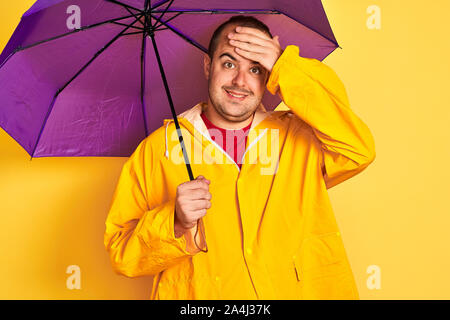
{"x": 270, "y": 232}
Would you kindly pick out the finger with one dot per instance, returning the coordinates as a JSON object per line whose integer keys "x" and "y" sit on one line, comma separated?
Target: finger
{"x": 195, "y": 184}
{"x": 199, "y": 214}
{"x": 259, "y": 33}
{"x": 199, "y": 205}
{"x": 193, "y": 217}
{"x": 200, "y": 177}
{"x": 277, "y": 39}
{"x": 248, "y": 46}
{"x": 188, "y": 224}
{"x": 246, "y": 37}
{"x": 249, "y": 55}
{"x": 199, "y": 194}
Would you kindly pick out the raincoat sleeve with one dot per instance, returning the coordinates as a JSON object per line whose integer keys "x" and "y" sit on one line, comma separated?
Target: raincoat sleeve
{"x": 313, "y": 92}
{"x": 140, "y": 238}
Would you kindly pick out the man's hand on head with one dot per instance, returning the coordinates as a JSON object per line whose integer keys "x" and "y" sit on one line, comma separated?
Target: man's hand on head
{"x": 254, "y": 44}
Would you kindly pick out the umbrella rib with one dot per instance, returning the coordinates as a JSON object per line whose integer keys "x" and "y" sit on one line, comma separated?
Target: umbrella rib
{"x": 125, "y": 5}
{"x": 179, "y": 12}
{"x": 159, "y": 4}
{"x": 244, "y": 11}
{"x": 310, "y": 28}
{"x": 127, "y": 8}
{"x": 132, "y": 33}
{"x": 170, "y": 19}
{"x": 222, "y": 11}
{"x": 143, "y": 50}
{"x": 161, "y": 29}
{"x": 182, "y": 35}
{"x": 124, "y": 24}
{"x": 73, "y": 78}
{"x": 143, "y": 24}
{"x": 62, "y": 35}
{"x": 162, "y": 15}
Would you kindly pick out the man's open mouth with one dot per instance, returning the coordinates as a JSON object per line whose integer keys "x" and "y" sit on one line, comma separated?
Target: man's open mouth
{"x": 236, "y": 95}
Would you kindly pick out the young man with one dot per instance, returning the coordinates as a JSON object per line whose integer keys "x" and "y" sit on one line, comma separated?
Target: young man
{"x": 268, "y": 229}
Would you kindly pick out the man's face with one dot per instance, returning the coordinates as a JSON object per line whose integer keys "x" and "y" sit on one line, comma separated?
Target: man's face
{"x": 236, "y": 84}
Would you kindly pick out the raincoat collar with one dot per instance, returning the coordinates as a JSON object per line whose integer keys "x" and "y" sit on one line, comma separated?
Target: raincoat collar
{"x": 191, "y": 119}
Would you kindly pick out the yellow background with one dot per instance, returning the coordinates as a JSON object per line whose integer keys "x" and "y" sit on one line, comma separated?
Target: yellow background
{"x": 394, "y": 215}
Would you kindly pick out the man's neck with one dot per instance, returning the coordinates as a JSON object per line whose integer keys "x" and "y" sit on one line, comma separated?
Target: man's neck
{"x": 217, "y": 120}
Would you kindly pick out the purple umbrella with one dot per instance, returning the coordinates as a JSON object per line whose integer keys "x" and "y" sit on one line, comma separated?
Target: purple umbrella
{"x": 100, "y": 87}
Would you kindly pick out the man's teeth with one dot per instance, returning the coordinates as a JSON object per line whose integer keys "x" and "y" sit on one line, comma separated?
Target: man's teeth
{"x": 236, "y": 95}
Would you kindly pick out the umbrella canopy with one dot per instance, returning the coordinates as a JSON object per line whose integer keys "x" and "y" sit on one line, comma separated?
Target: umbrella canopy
{"x": 100, "y": 89}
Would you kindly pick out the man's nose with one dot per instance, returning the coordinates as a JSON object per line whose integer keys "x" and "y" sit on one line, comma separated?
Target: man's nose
{"x": 239, "y": 78}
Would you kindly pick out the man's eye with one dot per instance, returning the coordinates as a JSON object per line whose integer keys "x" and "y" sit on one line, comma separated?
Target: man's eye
{"x": 255, "y": 70}
{"x": 228, "y": 65}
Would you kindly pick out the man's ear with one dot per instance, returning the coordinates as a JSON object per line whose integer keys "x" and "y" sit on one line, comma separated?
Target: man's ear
{"x": 206, "y": 65}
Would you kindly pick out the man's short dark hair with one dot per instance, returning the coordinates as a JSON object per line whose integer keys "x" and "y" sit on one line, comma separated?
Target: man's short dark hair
{"x": 244, "y": 21}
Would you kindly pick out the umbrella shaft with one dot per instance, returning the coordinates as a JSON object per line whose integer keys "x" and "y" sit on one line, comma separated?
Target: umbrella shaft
{"x": 172, "y": 108}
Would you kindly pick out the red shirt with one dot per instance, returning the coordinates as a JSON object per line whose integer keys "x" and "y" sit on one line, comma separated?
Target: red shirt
{"x": 231, "y": 141}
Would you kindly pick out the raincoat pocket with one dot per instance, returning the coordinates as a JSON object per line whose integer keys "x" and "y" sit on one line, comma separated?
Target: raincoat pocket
{"x": 322, "y": 268}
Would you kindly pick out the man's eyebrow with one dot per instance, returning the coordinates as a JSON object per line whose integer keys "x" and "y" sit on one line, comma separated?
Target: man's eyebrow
{"x": 228, "y": 55}
{"x": 233, "y": 58}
